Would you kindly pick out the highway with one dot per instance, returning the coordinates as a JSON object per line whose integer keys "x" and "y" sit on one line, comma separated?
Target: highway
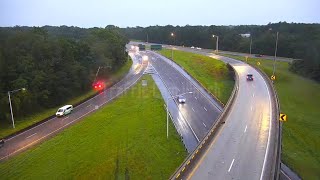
{"x": 197, "y": 115}
{"x": 244, "y": 146}
{"x": 47, "y": 129}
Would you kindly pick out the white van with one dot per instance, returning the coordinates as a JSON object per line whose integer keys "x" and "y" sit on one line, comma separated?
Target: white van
{"x": 67, "y": 109}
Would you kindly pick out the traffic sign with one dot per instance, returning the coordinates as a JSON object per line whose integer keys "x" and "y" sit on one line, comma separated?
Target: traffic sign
{"x": 258, "y": 63}
{"x": 283, "y": 117}
{"x": 273, "y": 77}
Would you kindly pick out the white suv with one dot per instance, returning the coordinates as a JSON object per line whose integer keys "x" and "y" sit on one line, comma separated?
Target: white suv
{"x": 65, "y": 110}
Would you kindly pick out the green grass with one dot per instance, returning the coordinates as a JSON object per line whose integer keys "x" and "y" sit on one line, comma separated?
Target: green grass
{"x": 124, "y": 139}
{"x": 211, "y": 73}
{"x": 300, "y": 100}
{"x": 23, "y": 122}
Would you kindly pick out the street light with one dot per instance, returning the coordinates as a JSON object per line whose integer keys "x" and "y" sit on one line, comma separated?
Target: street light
{"x": 217, "y": 42}
{"x": 172, "y": 97}
{"x": 275, "y": 52}
{"x": 174, "y": 41}
{"x": 250, "y": 44}
{"x": 21, "y": 89}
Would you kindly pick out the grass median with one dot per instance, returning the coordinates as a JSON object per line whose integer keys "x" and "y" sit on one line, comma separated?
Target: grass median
{"x": 24, "y": 122}
{"x": 125, "y": 139}
{"x": 211, "y": 73}
{"x": 300, "y": 100}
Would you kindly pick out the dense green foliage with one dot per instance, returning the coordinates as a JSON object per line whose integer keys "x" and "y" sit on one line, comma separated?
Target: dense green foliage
{"x": 125, "y": 139}
{"x": 299, "y": 99}
{"x": 55, "y": 64}
{"x": 300, "y": 41}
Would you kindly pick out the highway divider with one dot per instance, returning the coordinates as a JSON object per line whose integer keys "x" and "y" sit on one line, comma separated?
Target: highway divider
{"x": 191, "y": 161}
{"x": 275, "y": 157}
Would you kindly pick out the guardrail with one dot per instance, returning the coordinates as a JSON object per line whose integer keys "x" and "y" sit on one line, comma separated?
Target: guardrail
{"x": 276, "y": 159}
{"x": 183, "y": 170}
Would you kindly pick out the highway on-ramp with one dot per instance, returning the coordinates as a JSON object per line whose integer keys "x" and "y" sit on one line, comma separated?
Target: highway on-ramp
{"x": 47, "y": 129}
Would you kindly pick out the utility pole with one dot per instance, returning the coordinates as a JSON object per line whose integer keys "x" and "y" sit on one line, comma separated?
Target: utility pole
{"x": 275, "y": 54}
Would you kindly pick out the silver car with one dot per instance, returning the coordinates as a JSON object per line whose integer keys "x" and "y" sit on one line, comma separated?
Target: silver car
{"x": 181, "y": 99}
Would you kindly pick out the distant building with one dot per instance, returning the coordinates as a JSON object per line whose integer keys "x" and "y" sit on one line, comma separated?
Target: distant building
{"x": 245, "y": 35}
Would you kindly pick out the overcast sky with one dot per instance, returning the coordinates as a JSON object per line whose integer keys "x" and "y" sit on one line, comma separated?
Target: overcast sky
{"x": 123, "y": 13}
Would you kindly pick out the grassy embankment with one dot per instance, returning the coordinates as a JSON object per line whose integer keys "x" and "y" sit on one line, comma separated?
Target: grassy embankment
{"x": 211, "y": 73}
{"x": 125, "y": 139}
{"x": 21, "y": 123}
{"x": 300, "y": 100}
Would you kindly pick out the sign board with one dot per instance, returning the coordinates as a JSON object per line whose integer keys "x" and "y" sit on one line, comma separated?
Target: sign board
{"x": 283, "y": 117}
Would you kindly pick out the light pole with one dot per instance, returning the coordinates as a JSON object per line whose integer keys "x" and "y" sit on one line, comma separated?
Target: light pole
{"x": 217, "y": 42}
{"x": 250, "y": 44}
{"x": 172, "y": 97}
{"x": 275, "y": 54}
{"x": 23, "y": 89}
{"x": 174, "y": 40}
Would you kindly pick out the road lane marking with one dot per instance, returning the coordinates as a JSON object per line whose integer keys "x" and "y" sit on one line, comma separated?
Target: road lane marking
{"x": 89, "y": 105}
{"x": 192, "y": 109}
{"x": 230, "y": 165}
{"x": 253, "y": 95}
{"x": 245, "y": 130}
{"x": 195, "y": 97}
{"x": 65, "y": 118}
{"x": 205, "y": 108}
{"x": 251, "y": 108}
{"x": 31, "y": 135}
{"x": 285, "y": 175}
{"x": 204, "y": 124}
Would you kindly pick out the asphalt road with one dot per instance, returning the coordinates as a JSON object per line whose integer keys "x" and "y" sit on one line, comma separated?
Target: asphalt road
{"x": 242, "y": 148}
{"x": 198, "y": 114}
{"x": 37, "y": 134}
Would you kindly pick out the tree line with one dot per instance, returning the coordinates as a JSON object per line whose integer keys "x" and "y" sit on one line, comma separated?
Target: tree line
{"x": 54, "y": 64}
{"x": 296, "y": 40}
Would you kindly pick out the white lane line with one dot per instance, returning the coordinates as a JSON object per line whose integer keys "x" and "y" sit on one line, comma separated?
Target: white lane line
{"x": 253, "y": 95}
{"x": 285, "y": 175}
{"x": 192, "y": 109}
{"x": 195, "y": 97}
{"x": 251, "y": 108}
{"x": 230, "y": 165}
{"x": 205, "y": 108}
{"x": 89, "y": 105}
{"x": 181, "y": 82}
{"x": 204, "y": 124}
{"x": 31, "y": 135}
{"x": 245, "y": 130}
{"x": 65, "y": 118}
